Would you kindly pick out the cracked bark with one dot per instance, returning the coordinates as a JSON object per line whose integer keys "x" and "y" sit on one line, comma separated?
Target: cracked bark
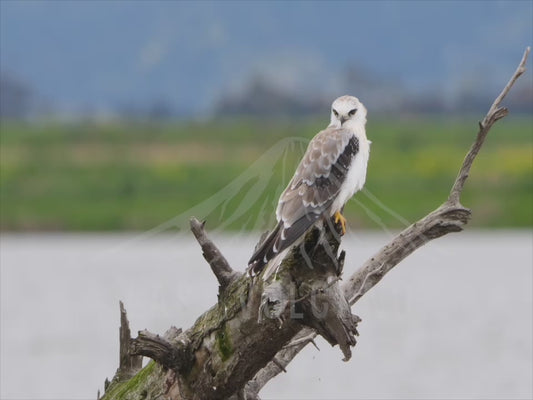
{"x": 257, "y": 328}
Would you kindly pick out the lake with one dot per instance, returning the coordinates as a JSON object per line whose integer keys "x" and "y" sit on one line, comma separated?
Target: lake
{"x": 454, "y": 320}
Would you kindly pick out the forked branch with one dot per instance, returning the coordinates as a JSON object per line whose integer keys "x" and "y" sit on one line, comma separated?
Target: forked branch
{"x": 495, "y": 113}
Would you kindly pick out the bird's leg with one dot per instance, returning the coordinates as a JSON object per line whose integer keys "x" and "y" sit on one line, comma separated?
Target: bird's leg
{"x": 340, "y": 218}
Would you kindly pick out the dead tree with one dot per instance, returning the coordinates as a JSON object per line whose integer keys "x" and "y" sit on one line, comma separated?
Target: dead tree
{"x": 257, "y": 327}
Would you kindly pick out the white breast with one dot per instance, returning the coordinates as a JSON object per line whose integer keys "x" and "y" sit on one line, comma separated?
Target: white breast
{"x": 356, "y": 173}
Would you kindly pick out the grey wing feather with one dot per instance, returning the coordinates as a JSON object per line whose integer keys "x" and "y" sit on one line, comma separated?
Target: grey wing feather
{"x": 319, "y": 176}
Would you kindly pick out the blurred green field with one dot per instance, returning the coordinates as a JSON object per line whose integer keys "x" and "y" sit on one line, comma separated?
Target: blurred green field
{"x": 135, "y": 176}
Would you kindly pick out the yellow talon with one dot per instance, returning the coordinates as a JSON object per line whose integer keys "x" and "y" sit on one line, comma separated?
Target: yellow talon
{"x": 340, "y": 218}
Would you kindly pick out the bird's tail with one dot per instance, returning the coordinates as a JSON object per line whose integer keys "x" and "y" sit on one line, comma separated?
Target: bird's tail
{"x": 279, "y": 239}
{"x": 265, "y": 252}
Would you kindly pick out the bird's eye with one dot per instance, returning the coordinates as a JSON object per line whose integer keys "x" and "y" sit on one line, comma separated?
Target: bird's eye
{"x": 335, "y": 113}
{"x": 352, "y": 112}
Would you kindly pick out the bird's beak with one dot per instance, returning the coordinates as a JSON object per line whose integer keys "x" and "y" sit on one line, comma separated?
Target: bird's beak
{"x": 343, "y": 120}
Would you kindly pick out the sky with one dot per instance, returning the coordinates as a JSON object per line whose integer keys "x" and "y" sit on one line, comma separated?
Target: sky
{"x": 99, "y": 55}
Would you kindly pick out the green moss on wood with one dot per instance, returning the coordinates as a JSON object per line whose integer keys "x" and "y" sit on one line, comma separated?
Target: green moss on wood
{"x": 135, "y": 388}
{"x": 224, "y": 343}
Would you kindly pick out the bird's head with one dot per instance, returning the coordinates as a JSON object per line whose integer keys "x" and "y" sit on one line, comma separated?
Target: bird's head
{"x": 347, "y": 110}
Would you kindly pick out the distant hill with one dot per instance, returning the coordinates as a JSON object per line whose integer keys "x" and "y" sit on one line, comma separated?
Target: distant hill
{"x": 195, "y": 58}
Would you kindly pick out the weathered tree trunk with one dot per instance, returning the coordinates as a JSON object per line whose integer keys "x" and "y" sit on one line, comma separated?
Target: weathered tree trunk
{"x": 257, "y": 327}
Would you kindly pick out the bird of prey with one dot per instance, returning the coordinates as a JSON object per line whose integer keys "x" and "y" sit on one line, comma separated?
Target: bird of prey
{"x": 332, "y": 169}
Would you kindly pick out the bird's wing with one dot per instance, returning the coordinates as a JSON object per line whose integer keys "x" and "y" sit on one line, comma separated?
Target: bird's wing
{"x": 319, "y": 176}
{"x": 310, "y": 193}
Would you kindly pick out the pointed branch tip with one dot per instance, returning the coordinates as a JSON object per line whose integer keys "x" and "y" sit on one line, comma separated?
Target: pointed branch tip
{"x": 218, "y": 263}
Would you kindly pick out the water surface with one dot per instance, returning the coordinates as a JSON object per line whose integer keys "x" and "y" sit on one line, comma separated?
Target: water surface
{"x": 454, "y": 320}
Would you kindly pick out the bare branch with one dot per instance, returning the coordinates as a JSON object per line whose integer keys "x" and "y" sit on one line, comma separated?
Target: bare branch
{"x": 170, "y": 355}
{"x": 219, "y": 265}
{"x": 519, "y": 71}
{"x": 438, "y": 223}
{"x": 283, "y": 357}
{"x": 494, "y": 114}
{"x": 129, "y": 364}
